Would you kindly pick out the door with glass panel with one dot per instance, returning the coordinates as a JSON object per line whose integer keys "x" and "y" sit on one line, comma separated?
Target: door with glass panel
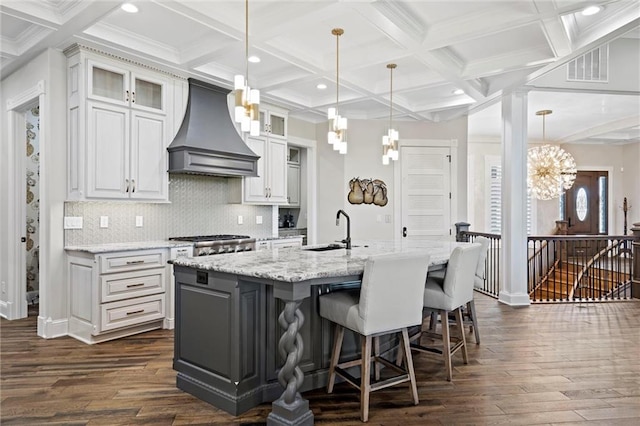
{"x": 586, "y": 204}
{"x": 585, "y": 209}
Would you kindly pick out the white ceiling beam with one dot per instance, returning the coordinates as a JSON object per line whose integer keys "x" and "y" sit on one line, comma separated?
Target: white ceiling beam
{"x": 553, "y": 28}
{"x": 623, "y": 124}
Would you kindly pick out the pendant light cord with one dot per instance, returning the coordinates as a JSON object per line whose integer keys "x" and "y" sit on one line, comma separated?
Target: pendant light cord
{"x": 337, "y": 32}
{"x": 246, "y": 37}
{"x": 391, "y": 68}
{"x": 337, "y": 69}
{"x": 391, "y": 98}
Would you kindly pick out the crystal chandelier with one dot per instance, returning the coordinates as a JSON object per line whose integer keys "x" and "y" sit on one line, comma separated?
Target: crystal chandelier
{"x": 550, "y": 169}
{"x": 390, "y": 140}
{"x": 247, "y": 110}
{"x": 337, "y": 135}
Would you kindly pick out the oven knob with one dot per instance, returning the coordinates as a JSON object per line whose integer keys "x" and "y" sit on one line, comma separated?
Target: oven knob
{"x": 208, "y": 251}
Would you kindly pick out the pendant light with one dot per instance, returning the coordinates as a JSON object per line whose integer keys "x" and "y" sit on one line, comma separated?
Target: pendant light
{"x": 550, "y": 169}
{"x": 337, "y": 135}
{"x": 247, "y": 110}
{"x": 390, "y": 140}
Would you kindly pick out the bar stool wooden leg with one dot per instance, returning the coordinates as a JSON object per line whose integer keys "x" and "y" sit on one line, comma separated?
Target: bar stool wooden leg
{"x": 471, "y": 307}
{"x": 376, "y": 352}
{"x": 365, "y": 380}
{"x": 463, "y": 340}
{"x": 446, "y": 343}
{"x": 335, "y": 356}
{"x": 410, "y": 370}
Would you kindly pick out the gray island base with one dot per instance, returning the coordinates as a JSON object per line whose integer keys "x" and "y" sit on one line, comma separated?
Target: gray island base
{"x": 248, "y": 329}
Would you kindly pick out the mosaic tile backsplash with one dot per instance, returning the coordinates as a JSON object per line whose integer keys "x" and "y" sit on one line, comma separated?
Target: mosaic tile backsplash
{"x": 199, "y": 205}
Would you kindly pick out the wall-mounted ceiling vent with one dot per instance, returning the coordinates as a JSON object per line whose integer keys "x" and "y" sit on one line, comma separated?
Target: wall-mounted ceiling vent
{"x": 592, "y": 66}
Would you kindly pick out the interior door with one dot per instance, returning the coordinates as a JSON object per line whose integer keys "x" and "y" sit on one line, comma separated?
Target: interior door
{"x": 426, "y": 192}
{"x": 586, "y": 204}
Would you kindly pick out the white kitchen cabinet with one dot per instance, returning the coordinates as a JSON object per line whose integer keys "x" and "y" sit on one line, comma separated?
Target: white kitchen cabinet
{"x": 273, "y": 122}
{"x": 118, "y": 128}
{"x": 270, "y": 187}
{"x": 116, "y": 294}
{"x": 293, "y": 185}
{"x": 287, "y": 242}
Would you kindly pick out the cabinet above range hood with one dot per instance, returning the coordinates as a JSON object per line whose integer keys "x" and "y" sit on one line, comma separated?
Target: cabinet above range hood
{"x": 208, "y": 142}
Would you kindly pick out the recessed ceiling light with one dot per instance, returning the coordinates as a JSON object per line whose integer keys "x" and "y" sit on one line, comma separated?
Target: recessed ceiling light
{"x": 591, "y": 10}
{"x": 321, "y": 86}
{"x": 458, "y": 92}
{"x": 253, "y": 59}
{"x": 129, "y": 7}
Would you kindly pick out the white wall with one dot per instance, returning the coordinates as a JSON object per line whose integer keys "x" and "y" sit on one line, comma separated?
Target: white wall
{"x": 364, "y": 160}
{"x": 49, "y": 67}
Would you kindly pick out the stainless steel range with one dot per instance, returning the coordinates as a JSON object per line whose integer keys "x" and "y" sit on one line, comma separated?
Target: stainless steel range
{"x": 205, "y": 245}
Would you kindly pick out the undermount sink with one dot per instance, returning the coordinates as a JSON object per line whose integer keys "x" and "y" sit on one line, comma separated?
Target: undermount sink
{"x": 327, "y": 248}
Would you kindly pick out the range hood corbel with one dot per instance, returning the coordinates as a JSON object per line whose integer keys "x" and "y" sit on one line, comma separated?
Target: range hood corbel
{"x": 208, "y": 142}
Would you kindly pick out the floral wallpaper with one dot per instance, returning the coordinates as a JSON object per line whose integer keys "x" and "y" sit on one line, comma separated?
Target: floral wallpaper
{"x": 33, "y": 199}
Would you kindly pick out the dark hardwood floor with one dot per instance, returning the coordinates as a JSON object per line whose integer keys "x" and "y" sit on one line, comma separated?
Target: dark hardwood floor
{"x": 545, "y": 364}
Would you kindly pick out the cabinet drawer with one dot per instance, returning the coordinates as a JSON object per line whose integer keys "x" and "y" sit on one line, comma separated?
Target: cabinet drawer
{"x": 131, "y": 284}
{"x": 130, "y": 261}
{"x": 131, "y": 312}
{"x": 286, "y": 243}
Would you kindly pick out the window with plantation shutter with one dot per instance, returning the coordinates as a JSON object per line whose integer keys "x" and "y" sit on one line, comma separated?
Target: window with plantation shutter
{"x": 494, "y": 194}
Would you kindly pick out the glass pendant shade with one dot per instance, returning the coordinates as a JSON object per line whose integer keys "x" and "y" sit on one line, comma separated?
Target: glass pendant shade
{"x": 247, "y": 100}
{"x": 550, "y": 169}
{"x": 337, "y": 134}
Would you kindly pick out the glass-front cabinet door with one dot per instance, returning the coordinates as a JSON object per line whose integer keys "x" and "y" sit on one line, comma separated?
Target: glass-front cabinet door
{"x": 277, "y": 124}
{"x": 273, "y": 123}
{"x": 108, "y": 83}
{"x": 148, "y": 93}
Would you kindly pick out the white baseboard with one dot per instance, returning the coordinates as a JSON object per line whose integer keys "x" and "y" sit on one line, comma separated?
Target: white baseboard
{"x": 169, "y": 323}
{"x": 516, "y": 299}
{"x": 5, "y": 309}
{"x": 50, "y": 329}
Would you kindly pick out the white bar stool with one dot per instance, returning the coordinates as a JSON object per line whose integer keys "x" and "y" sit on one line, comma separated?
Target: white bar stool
{"x": 450, "y": 296}
{"x": 389, "y": 301}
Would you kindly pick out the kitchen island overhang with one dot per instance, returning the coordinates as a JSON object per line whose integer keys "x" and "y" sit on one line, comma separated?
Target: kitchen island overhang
{"x": 238, "y": 316}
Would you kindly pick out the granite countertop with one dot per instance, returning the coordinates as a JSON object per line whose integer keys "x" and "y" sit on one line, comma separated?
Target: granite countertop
{"x": 300, "y": 264}
{"x": 138, "y": 245}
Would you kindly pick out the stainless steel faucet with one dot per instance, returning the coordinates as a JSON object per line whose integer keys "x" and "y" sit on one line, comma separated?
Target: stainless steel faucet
{"x": 347, "y": 240}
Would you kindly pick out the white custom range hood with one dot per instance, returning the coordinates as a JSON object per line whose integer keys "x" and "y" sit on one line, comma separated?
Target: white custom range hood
{"x": 208, "y": 142}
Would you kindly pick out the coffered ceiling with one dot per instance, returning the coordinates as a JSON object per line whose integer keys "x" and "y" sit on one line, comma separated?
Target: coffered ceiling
{"x": 481, "y": 47}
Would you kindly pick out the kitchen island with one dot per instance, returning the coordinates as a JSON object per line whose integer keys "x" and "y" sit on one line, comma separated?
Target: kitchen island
{"x": 231, "y": 310}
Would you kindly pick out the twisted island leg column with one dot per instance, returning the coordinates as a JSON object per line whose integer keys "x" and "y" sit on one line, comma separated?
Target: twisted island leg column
{"x": 291, "y": 408}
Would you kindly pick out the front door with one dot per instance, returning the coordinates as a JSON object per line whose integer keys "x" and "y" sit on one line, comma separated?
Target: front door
{"x": 586, "y": 204}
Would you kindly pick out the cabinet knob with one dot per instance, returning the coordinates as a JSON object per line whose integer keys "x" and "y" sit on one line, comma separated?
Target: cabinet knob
{"x": 133, "y": 185}
{"x": 126, "y": 181}
{"x": 126, "y": 98}
{"x": 133, "y": 97}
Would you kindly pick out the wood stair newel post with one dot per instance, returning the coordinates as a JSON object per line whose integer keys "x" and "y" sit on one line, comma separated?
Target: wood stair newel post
{"x": 635, "y": 282}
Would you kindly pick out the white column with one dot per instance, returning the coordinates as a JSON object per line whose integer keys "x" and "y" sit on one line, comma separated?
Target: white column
{"x": 513, "y": 290}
